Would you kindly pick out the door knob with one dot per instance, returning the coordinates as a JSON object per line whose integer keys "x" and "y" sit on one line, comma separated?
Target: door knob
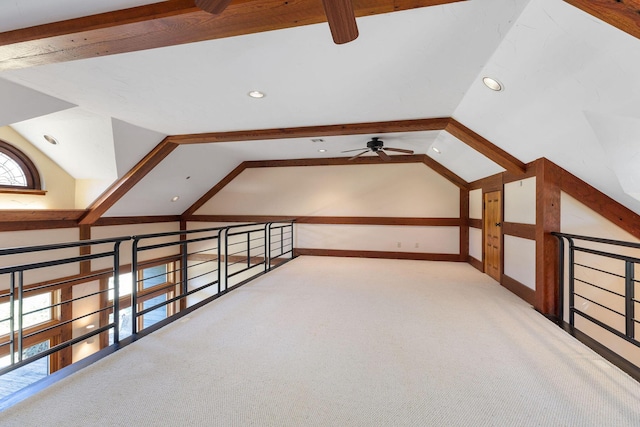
{"x": 498, "y": 224}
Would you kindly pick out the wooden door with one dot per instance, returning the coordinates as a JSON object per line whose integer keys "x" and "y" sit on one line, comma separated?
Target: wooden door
{"x": 492, "y": 234}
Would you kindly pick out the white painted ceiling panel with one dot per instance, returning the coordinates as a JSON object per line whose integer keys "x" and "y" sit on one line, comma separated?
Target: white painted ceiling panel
{"x": 131, "y": 144}
{"x": 18, "y": 103}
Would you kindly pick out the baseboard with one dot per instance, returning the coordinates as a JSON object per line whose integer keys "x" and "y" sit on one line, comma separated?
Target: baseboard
{"x": 523, "y": 291}
{"x": 475, "y": 263}
{"x": 379, "y": 254}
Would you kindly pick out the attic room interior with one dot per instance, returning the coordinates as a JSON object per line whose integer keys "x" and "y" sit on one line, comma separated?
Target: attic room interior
{"x": 170, "y": 152}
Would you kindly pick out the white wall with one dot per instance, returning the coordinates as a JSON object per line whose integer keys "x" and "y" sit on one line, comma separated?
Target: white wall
{"x": 520, "y": 260}
{"x": 475, "y": 204}
{"x": 520, "y": 201}
{"x": 475, "y": 243}
{"x": 384, "y": 190}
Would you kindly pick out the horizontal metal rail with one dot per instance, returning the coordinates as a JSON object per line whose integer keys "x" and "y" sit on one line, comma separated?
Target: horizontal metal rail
{"x": 598, "y": 300}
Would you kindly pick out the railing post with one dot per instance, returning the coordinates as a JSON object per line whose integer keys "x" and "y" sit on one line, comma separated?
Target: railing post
{"x": 560, "y": 280}
{"x": 226, "y": 258}
{"x": 629, "y": 297}
{"x": 12, "y": 313}
{"x": 134, "y": 287}
{"x": 116, "y": 293}
{"x": 184, "y": 279}
{"x": 219, "y": 258}
{"x": 248, "y": 249}
{"x": 20, "y": 311}
{"x": 571, "y": 283}
{"x": 267, "y": 246}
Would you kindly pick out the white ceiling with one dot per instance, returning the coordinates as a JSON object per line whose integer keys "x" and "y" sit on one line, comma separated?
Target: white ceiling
{"x": 557, "y": 63}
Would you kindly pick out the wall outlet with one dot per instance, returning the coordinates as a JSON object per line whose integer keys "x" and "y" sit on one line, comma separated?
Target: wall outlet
{"x": 399, "y": 244}
{"x": 417, "y": 245}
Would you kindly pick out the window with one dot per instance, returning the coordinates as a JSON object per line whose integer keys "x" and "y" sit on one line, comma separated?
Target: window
{"x": 35, "y": 309}
{"x": 17, "y": 171}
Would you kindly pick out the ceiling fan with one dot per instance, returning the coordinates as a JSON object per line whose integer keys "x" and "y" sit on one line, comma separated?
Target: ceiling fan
{"x": 340, "y": 15}
{"x": 377, "y": 146}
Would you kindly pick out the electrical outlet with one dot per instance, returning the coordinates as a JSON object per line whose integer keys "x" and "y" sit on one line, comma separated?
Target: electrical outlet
{"x": 417, "y": 245}
{"x": 399, "y": 244}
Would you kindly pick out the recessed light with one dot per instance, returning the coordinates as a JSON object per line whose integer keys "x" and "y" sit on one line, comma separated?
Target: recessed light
{"x": 492, "y": 84}
{"x": 175, "y": 198}
{"x": 51, "y": 140}
{"x": 256, "y": 94}
{"x": 436, "y": 150}
{"x": 91, "y": 326}
{"x": 322, "y": 150}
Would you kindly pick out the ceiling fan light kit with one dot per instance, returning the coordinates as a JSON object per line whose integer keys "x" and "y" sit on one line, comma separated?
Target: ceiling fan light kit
{"x": 340, "y": 16}
{"x": 377, "y": 146}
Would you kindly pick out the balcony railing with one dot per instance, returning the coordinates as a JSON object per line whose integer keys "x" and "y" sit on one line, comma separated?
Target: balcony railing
{"x": 85, "y": 294}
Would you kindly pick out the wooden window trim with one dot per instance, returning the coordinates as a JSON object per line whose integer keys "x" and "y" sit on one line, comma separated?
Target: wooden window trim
{"x": 34, "y": 184}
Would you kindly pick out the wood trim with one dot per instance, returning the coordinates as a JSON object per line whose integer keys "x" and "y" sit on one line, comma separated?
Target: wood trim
{"x": 623, "y": 15}
{"x": 464, "y": 226}
{"x": 424, "y": 222}
{"x": 523, "y": 291}
{"x": 127, "y": 182}
{"x": 477, "y": 264}
{"x": 14, "y": 190}
{"x": 530, "y": 172}
{"x": 128, "y": 220}
{"x": 168, "y": 23}
{"x": 597, "y": 201}
{"x": 19, "y": 215}
{"x": 315, "y": 131}
{"x": 335, "y": 161}
{"x": 488, "y": 184}
{"x": 475, "y": 223}
{"x": 37, "y": 225}
{"x": 525, "y": 231}
{"x": 485, "y": 147}
{"x": 378, "y": 254}
{"x": 214, "y": 190}
{"x": 547, "y": 221}
{"x": 84, "y": 232}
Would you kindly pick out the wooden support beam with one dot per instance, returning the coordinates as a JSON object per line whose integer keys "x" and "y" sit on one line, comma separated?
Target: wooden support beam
{"x": 485, "y": 147}
{"x": 548, "y": 178}
{"x": 464, "y": 223}
{"x": 168, "y": 23}
{"x": 214, "y": 190}
{"x": 127, "y": 182}
{"x": 85, "y": 234}
{"x": 314, "y": 131}
{"x": 624, "y": 15}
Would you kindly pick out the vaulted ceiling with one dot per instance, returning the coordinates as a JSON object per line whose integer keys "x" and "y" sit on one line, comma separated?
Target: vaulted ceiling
{"x": 111, "y": 87}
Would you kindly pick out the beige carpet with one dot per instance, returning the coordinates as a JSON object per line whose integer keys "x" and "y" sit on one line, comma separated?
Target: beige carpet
{"x": 349, "y": 342}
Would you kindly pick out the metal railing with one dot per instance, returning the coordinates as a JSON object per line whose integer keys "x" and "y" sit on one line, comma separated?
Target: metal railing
{"x": 17, "y": 292}
{"x": 600, "y": 284}
{"x": 205, "y": 264}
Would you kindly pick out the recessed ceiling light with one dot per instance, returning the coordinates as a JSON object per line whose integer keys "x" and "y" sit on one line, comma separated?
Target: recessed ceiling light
{"x": 436, "y": 150}
{"x": 51, "y": 140}
{"x": 91, "y": 326}
{"x": 175, "y": 198}
{"x": 256, "y": 94}
{"x": 492, "y": 84}
{"x": 322, "y": 150}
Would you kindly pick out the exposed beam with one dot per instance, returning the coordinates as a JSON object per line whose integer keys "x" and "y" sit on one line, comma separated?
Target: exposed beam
{"x": 168, "y": 23}
{"x": 314, "y": 131}
{"x": 452, "y": 177}
{"x": 127, "y": 182}
{"x": 345, "y": 220}
{"x": 485, "y": 147}
{"x": 624, "y": 15}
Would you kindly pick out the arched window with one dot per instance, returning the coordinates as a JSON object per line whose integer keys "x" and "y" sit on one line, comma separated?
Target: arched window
{"x": 17, "y": 171}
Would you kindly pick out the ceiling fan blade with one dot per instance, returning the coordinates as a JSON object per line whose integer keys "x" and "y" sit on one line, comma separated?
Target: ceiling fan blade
{"x": 342, "y": 20}
{"x": 399, "y": 150}
{"x": 213, "y": 6}
{"x": 357, "y": 149}
{"x": 384, "y": 156}
{"x": 358, "y": 155}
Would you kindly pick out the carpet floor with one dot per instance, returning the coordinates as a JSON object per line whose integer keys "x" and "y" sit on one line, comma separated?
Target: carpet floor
{"x": 348, "y": 342}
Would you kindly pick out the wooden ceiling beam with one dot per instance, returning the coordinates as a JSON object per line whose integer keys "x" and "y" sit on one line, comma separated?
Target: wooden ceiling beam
{"x": 624, "y": 15}
{"x": 314, "y": 131}
{"x": 485, "y": 147}
{"x": 119, "y": 188}
{"x": 168, "y": 23}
